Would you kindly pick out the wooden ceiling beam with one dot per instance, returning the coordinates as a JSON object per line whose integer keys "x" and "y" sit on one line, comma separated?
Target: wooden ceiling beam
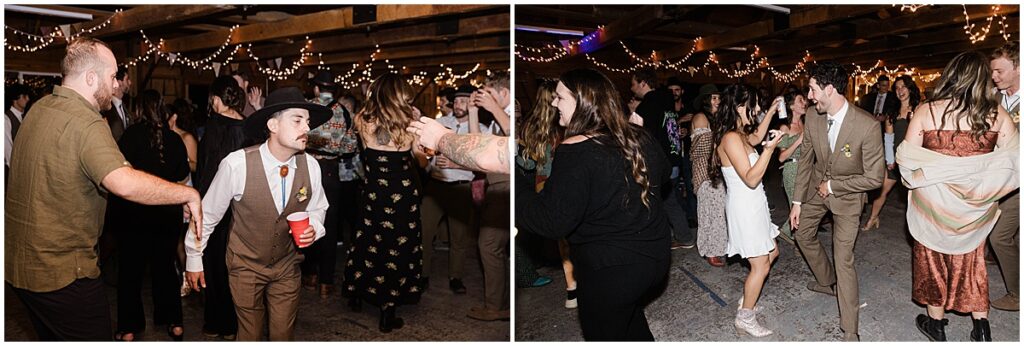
{"x": 474, "y": 46}
{"x": 883, "y": 47}
{"x": 636, "y": 22}
{"x": 144, "y": 17}
{"x": 813, "y": 16}
{"x": 468, "y": 27}
{"x": 312, "y": 23}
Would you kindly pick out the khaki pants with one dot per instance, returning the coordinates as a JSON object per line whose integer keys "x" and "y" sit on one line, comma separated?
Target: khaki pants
{"x": 1005, "y": 241}
{"x": 844, "y": 235}
{"x": 454, "y": 203}
{"x": 259, "y": 291}
{"x": 494, "y": 240}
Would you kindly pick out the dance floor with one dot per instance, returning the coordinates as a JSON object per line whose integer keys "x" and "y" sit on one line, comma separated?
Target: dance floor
{"x": 699, "y": 302}
{"x": 440, "y": 315}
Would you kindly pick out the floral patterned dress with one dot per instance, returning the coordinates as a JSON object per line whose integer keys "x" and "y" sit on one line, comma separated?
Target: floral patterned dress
{"x": 386, "y": 258}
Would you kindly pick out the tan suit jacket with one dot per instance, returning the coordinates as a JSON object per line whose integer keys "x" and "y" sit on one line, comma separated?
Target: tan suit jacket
{"x": 856, "y": 166}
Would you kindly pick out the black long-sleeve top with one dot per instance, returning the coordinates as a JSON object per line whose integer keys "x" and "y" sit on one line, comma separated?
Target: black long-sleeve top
{"x": 592, "y": 200}
{"x": 137, "y": 146}
{"x": 223, "y": 135}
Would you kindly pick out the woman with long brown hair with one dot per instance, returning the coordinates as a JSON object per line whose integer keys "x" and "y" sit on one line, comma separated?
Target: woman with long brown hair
{"x": 960, "y": 156}
{"x": 751, "y": 231}
{"x": 537, "y": 138}
{"x": 604, "y": 195}
{"x": 148, "y": 234}
{"x": 385, "y": 259}
{"x": 895, "y": 129}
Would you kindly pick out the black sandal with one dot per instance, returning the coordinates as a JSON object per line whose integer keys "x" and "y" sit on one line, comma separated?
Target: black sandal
{"x": 176, "y": 337}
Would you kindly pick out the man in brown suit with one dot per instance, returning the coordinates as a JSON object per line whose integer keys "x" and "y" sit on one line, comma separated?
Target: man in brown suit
{"x": 263, "y": 184}
{"x": 842, "y": 160}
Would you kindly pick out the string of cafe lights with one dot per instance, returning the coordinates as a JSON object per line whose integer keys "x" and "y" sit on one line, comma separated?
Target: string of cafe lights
{"x": 559, "y": 52}
{"x": 280, "y": 74}
{"x": 47, "y": 40}
{"x": 911, "y": 8}
{"x": 980, "y": 36}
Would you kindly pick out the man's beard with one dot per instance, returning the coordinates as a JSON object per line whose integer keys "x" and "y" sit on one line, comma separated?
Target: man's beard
{"x": 104, "y": 95}
{"x": 460, "y": 114}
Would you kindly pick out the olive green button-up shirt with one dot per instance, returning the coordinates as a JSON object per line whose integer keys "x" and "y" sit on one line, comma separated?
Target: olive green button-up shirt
{"x": 55, "y": 201}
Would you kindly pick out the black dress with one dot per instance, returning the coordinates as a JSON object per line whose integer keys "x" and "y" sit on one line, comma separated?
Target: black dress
{"x": 386, "y": 258}
{"x": 149, "y": 233}
{"x": 222, "y": 136}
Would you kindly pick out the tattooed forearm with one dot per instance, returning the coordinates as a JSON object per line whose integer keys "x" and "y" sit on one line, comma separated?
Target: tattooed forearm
{"x": 477, "y": 152}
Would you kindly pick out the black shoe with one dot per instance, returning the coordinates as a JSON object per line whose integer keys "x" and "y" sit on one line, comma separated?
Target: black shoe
{"x": 355, "y": 304}
{"x": 692, "y": 223}
{"x": 932, "y": 328}
{"x": 981, "y": 331}
{"x": 457, "y": 286}
{"x": 388, "y": 321}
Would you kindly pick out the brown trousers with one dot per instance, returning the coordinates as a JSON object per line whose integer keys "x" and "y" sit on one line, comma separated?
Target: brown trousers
{"x": 259, "y": 291}
{"x": 454, "y": 203}
{"x": 1005, "y": 241}
{"x": 844, "y": 235}
{"x": 493, "y": 242}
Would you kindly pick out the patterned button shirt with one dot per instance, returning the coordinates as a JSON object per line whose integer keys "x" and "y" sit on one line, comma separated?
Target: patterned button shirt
{"x": 337, "y": 138}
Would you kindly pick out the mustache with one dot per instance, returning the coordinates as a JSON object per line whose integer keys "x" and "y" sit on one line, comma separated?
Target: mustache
{"x": 302, "y": 136}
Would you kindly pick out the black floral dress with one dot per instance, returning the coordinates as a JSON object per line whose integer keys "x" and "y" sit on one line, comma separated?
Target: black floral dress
{"x": 386, "y": 258}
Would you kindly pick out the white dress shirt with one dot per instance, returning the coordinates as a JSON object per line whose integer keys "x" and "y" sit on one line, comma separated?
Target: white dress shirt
{"x": 453, "y": 174}
{"x": 119, "y": 106}
{"x": 880, "y": 102}
{"x": 229, "y": 184}
{"x": 8, "y": 136}
{"x": 1008, "y": 101}
{"x": 833, "y": 130}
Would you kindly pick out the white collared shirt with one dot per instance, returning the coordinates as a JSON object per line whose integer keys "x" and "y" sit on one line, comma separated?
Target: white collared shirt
{"x": 229, "y": 184}
{"x": 837, "y": 124}
{"x": 880, "y": 103}
{"x": 452, "y": 174}
{"x": 120, "y": 110}
{"x": 1009, "y": 101}
{"x": 9, "y": 136}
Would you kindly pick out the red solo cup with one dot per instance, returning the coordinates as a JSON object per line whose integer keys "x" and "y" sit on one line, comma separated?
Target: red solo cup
{"x": 298, "y": 222}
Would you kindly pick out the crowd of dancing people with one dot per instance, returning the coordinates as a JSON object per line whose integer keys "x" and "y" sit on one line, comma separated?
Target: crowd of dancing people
{"x": 273, "y": 189}
{"x": 620, "y": 184}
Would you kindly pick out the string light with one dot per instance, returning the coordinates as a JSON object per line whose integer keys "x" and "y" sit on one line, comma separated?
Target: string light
{"x": 912, "y": 8}
{"x": 276, "y": 74}
{"x": 47, "y": 40}
{"x": 559, "y": 52}
{"x": 980, "y": 36}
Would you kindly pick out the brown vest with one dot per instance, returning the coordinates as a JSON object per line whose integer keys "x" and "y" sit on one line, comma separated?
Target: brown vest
{"x": 259, "y": 235}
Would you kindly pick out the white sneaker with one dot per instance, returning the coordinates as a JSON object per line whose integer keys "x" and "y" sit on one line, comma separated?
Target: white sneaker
{"x": 570, "y": 299}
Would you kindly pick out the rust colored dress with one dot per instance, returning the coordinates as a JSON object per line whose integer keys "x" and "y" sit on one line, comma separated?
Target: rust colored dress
{"x": 954, "y": 282}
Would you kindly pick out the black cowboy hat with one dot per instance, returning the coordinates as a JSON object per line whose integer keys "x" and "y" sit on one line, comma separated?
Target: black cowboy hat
{"x": 256, "y": 124}
{"x": 324, "y": 78}
{"x": 464, "y": 91}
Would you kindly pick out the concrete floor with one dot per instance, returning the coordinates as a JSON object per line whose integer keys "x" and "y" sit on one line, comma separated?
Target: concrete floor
{"x": 699, "y": 303}
{"x": 440, "y": 315}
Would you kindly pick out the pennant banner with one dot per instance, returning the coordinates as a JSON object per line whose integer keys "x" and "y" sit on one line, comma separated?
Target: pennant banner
{"x": 216, "y": 69}
{"x": 66, "y": 30}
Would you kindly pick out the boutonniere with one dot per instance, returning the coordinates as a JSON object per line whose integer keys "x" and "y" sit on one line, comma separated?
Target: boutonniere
{"x": 1015, "y": 116}
{"x": 303, "y": 194}
{"x": 846, "y": 150}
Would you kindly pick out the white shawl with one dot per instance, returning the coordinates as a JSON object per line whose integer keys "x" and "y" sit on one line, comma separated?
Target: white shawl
{"x": 953, "y": 201}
